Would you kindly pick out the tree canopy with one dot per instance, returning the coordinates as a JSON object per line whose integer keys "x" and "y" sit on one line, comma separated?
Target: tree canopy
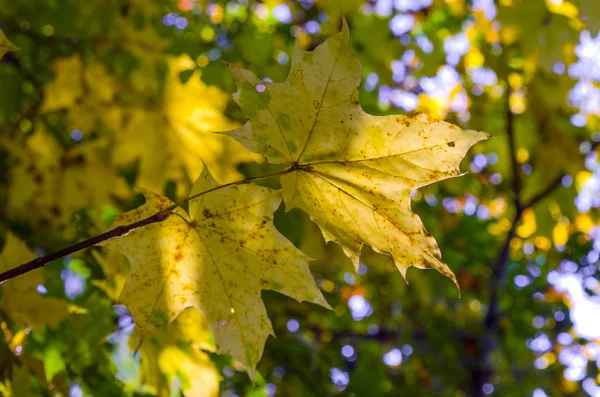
{"x": 226, "y": 197}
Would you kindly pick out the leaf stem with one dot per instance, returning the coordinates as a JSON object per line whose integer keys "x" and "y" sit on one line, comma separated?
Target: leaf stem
{"x": 120, "y": 231}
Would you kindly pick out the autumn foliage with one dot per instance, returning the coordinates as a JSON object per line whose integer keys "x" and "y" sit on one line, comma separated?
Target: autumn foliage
{"x": 192, "y": 165}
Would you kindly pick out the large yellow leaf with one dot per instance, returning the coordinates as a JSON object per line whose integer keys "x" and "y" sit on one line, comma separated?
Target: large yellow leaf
{"x": 218, "y": 259}
{"x": 20, "y": 298}
{"x": 175, "y": 131}
{"x": 177, "y": 136}
{"x": 352, "y": 172}
{"x": 177, "y": 351}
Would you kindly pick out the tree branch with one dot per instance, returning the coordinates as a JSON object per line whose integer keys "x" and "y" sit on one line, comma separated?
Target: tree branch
{"x": 482, "y": 374}
{"x": 510, "y": 132}
{"x": 552, "y": 185}
{"x": 120, "y": 230}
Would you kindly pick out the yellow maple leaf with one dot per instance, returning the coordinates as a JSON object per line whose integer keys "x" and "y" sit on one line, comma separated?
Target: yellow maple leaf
{"x": 20, "y": 298}
{"x": 67, "y": 86}
{"x": 177, "y": 134}
{"x": 85, "y": 90}
{"x": 177, "y": 351}
{"x": 5, "y": 45}
{"x": 177, "y": 137}
{"x": 217, "y": 259}
{"x": 50, "y": 182}
{"x": 351, "y": 172}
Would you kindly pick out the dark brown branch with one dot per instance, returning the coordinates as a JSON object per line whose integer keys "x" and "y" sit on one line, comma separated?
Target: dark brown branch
{"x": 114, "y": 233}
{"x": 119, "y": 231}
{"x": 485, "y": 368}
{"x": 546, "y": 192}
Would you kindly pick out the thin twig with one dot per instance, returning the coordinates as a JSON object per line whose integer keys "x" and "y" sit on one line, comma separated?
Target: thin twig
{"x": 546, "y": 192}
{"x": 553, "y": 185}
{"x": 120, "y": 231}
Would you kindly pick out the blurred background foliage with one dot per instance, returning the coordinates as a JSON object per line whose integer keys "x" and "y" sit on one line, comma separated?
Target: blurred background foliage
{"x": 104, "y": 95}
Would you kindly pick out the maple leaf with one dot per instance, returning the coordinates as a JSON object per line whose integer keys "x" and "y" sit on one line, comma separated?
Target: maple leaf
{"x": 5, "y": 45}
{"x": 50, "y": 182}
{"x": 352, "y": 172}
{"x": 177, "y": 136}
{"x": 20, "y": 298}
{"x": 178, "y": 351}
{"x": 66, "y": 87}
{"x": 218, "y": 259}
{"x": 86, "y": 91}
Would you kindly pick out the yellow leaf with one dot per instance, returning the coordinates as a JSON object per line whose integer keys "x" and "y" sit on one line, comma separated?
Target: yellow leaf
{"x": 528, "y": 225}
{"x": 50, "y": 182}
{"x": 20, "y": 298}
{"x": 543, "y": 243}
{"x": 560, "y": 234}
{"x": 5, "y": 45}
{"x": 562, "y": 8}
{"x": 581, "y": 179}
{"x": 474, "y": 58}
{"x": 177, "y": 352}
{"x": 178, "y": 139}
{"x": 217, "y": 259}
{"x": 86, "y": 92}
{"x": 584, "y": 223}
{"x": 522, "y": 155}
{"x": 67, "y": 86}
{"x": 99, "y": 82}
{"x": 352, "y": 172}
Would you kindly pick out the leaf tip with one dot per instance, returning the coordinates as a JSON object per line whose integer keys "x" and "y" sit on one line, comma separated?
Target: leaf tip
{"x": 403, "y": 270}
{"x": 457, "y": 287}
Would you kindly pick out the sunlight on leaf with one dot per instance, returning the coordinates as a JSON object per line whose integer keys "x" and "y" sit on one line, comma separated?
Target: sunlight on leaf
{"x": 177, "y": 351}
{"x": 353, "y": 172}
{"x": 217, "y": 259}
